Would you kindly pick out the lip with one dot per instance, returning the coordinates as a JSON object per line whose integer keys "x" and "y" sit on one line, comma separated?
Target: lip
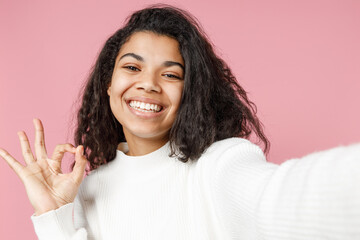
{"x": 145, "y": 115}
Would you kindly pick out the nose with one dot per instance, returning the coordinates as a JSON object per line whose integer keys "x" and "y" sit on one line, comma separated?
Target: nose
{"x": 149, "y": 83}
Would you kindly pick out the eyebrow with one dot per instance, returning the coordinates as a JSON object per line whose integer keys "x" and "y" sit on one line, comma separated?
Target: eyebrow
{"x": 141, "y": 59}
{"x": 137, "y": 57}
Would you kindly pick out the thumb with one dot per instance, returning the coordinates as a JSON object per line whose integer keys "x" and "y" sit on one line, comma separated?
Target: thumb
{"x": 80, "y": 165}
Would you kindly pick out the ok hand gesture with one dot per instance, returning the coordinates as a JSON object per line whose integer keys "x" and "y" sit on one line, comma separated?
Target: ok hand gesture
{"x": 46, "y": 186}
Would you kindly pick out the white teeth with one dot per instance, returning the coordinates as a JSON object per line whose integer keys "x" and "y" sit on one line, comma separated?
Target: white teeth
{"x": 145, "y": 107}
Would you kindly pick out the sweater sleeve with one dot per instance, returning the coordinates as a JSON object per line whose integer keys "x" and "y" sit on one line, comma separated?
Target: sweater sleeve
{"x": 314, "y": 197}
{"x": 59, "y": 225}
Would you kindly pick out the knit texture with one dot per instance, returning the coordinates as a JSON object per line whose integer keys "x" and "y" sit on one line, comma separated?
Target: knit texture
{"x": 231, "y": 192}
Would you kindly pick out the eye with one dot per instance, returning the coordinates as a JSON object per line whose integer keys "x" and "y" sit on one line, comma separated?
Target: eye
{"x": 168, "y": 75}
{"x": 132, "y": 68}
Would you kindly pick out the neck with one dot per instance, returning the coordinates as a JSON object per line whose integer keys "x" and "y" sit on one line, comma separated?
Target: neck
{"x": 140, "y": 146}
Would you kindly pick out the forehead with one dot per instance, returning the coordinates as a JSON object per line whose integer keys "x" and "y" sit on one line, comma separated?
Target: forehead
{"x": 151, "y": 45}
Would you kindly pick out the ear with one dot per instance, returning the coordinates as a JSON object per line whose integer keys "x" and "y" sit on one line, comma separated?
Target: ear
{"x": 109, "y": 89}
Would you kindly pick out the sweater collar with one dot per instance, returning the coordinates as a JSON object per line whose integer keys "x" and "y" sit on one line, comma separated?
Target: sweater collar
{"x": 150, "y": 163}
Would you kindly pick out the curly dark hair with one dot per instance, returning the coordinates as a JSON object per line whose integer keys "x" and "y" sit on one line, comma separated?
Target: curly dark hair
{"x": 213, "y": 105}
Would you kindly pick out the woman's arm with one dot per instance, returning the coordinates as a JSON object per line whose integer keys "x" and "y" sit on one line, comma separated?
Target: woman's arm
{"x": 59, "y": 224}
{"x": 315, "y": 197}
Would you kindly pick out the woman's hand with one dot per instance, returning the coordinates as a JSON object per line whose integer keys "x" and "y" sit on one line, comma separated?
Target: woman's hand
{"x": 46, "y": 186}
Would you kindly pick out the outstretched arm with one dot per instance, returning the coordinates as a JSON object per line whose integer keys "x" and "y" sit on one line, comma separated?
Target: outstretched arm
{"x": 314, "y": 197}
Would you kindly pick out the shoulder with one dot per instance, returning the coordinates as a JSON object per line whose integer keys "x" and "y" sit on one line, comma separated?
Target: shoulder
{"x": 232, "y": 147}
{"x": 228, "y": 153}
{"x": 232, "y": 173}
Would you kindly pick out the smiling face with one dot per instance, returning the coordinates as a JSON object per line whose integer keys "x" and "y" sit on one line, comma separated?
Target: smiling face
{"x": 146, "y": 87}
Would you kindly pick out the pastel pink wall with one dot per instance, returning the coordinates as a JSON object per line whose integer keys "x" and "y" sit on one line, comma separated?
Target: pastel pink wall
{"x": 299, "y": 61}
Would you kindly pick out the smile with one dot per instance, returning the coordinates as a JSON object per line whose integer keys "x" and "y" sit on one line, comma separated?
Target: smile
{"x": 145, "y": 107}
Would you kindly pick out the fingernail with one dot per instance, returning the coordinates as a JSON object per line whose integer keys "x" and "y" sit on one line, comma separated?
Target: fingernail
{"x": 81, "y": 150}
{"x": 19, "y": 133}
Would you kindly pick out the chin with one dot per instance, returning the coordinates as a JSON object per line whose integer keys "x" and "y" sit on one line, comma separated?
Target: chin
{"x": 148, "y": 134}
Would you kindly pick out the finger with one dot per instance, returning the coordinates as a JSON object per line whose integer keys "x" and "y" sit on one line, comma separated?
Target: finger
{"x": 40, "y": 149}
{"x": 60, "y": 150}
{"x": 15, "y": 165}
{"x": 80, "y": 165}
{"x": 25, "y": 148}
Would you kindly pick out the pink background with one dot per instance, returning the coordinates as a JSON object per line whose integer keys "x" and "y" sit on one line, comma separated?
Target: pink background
{"x": 299, "y": 61}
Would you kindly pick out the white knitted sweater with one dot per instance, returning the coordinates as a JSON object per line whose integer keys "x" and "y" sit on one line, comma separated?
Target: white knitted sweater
{"x": 231, "y": 192}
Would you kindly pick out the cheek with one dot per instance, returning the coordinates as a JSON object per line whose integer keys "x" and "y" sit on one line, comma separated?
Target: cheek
{"x": 118, "y": 87}
{"x": 176, "y": 94}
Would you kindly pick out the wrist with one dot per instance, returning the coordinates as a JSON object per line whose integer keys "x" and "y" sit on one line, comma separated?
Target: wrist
{"x": 39, "y": 211}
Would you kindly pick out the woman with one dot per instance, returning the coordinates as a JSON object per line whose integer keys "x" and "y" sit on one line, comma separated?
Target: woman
{"x": 163, "y": 125}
